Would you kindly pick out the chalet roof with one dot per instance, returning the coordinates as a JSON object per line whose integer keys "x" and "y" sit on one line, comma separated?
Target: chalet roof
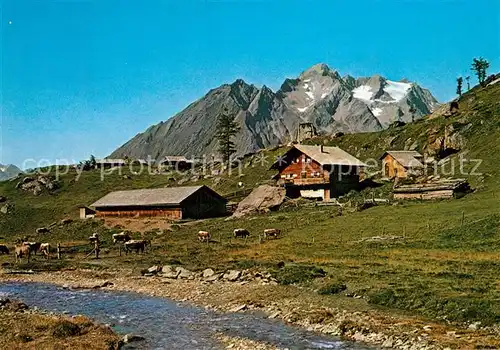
{"x": 329, "y": 155}
{"x": 408, "y": 159}
{"x": 148, "y": 197}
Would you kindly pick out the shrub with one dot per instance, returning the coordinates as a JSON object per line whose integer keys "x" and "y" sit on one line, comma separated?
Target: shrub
{"x": 332, "y": 288}
{"x": 457, "y": 309}
{"x": 298, "y": 274}
{"x": 65, "y": 329}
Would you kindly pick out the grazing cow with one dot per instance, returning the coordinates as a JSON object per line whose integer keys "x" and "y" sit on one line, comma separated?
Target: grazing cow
{"x": 94, "y": 238}
{"x": 203, "y": 236}
{"x": 33, "y": 246}
{"x": 137, "y": 245}
{"x": 241, "y": 232}
{"x": 4, "y": 249}
{"x": 45, "y": 249}
{"x": 22, "y": 251}
{"x": 272, "y": 232}
{"x": 121, "y": 237}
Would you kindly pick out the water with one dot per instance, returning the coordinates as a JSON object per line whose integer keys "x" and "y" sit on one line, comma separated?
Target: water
{"x": 164, "y": 323}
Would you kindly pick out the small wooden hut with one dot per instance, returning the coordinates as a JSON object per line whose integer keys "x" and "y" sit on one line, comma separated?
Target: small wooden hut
{"x": 400, "y": 164}
{"x": 444, "y": 189}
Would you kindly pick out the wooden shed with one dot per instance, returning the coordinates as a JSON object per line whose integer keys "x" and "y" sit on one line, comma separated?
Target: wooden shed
{"x": 173, "y": 203}
{"x": 445, "y": 189}
{"x": 401, "y": 163}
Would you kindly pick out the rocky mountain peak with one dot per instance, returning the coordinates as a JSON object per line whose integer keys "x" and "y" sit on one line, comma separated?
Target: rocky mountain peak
{"x": 319, "y": 96}
{"x": 318, "y": 69}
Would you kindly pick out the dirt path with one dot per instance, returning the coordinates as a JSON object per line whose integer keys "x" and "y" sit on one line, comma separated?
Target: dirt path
{"x": 291, "y": 304}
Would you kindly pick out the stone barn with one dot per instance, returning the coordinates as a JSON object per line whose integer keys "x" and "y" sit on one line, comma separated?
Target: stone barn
{"x": 175, "y": 203}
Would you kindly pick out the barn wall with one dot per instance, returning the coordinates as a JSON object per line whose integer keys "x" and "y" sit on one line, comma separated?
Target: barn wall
{"x": 204, "y": 204}
{"x": 428, "y": 195}
{"x": 168, "y": 213}
{"x": 297, "y": 164}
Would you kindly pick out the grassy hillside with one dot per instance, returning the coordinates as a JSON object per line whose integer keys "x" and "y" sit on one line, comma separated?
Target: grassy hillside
{"x": 439, "y": 265}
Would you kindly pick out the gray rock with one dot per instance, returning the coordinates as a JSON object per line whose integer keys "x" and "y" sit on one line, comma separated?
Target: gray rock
{"x": 184, "y": 273}
{"x": 213, "y": 278}
{"x": 168, "y": 271}
{"x": 154, "y": 269}
{"x": 130, "y": 338}
{"x": 208, "y": 273}
{"x": 232, "y": 275}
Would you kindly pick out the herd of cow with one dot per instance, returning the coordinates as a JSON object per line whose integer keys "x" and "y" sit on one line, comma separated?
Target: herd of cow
{"x": 204, "y": 236}
{"x": 24, "y": 249}
{"x": 129, "y": 244}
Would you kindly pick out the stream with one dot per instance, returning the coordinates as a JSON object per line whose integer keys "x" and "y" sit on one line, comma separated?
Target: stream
{"x": 164, "y": 323}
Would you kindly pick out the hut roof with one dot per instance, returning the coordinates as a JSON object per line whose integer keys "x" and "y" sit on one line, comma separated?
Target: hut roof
{"x": 328, "y": 155}
{"x": 452, "y": 184}
{"x": 168, "y": 196}
{"x": 408, "y": 159}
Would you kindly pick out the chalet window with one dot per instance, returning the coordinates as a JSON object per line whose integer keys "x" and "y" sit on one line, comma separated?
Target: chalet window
{"x": 303, "y": 174}
{"x": 308, "y": 160}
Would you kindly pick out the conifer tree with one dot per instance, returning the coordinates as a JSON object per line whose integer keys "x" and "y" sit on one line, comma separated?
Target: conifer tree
{"x": 479, "y": 67}
{"x": 459, "y": 86}
{"x": 226, "y": 130}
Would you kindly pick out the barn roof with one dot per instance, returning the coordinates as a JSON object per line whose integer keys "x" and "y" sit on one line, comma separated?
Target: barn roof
{"x": 408, "y": 159}
{"x": 168, "y": 196}
{"x": 328, "y": 155}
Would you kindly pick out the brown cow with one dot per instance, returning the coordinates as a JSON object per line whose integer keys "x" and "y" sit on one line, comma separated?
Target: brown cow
{"x": 45, "y": 249}
{"x": 137, "y": 245}
{"x": 203, "y": 236}
{"x": 241, "y": 232}
{"x": 22, "y": 251}
{"x": 33, "y": 246}
{"x": 4, "y": 249}
{"x": 272, "y": 232}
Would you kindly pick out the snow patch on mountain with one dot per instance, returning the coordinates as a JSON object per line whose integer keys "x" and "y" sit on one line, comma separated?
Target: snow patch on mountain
{"x": 377, "y": 111}
{"x": 397, "y": 90}
{"x": 363, "y": 92}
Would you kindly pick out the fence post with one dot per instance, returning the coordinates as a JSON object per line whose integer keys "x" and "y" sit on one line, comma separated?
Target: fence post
{"x": 58, "y": 251}
{"x": 96, "y": 249}
{"x": 119, "y": 249}
{"x": 463, "y": 218}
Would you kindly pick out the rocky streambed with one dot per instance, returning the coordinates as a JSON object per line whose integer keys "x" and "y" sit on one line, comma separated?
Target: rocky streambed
{"x": 159, "y": 323}
{"x": 257, "y": 293}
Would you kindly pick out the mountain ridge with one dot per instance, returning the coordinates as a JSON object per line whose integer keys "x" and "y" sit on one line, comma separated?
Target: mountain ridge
{"x": 319, "y": 95}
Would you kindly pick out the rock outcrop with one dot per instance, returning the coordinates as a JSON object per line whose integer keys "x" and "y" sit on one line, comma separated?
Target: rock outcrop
{"x": 262, "y": 199}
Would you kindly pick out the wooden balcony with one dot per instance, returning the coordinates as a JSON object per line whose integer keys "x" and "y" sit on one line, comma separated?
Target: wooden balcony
{"x": 303, "y": 182}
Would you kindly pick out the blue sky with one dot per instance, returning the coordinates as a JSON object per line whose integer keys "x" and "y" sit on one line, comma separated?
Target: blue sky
{"x": 83, "y": 77}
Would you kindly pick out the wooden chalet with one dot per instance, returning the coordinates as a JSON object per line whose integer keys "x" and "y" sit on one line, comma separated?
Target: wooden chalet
{"x": 318, "y": 172}
{"x": 176, "y": 203}
{"x": 400, "y": 164}
{"x": 445, "y": 189}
